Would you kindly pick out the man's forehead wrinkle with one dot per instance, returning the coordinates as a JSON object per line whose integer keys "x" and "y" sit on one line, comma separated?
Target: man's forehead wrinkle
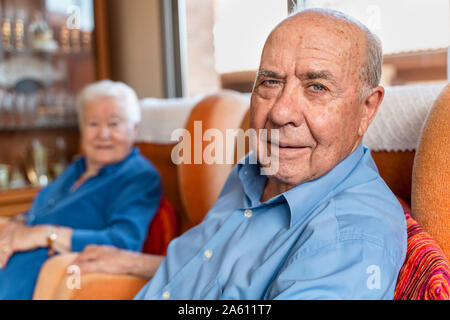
{"x": 311, "y": 75}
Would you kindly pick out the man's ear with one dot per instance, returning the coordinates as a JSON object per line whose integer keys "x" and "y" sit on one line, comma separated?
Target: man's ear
{"x": 370, "y": 108}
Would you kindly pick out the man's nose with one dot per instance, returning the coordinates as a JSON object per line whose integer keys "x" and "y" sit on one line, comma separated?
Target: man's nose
{"x": 287, "y": 109}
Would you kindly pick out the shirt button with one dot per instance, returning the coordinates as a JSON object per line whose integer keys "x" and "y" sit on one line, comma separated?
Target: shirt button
{"x": 248, "y": 213}
{"x": 31, "y": 217}
{"x": 166, "y": 295}
{"x": 208, "y": 254}
{"x": 51, "y": 202}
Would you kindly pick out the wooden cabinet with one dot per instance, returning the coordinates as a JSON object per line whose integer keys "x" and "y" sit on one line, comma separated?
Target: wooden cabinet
{"x": 49, "y": 50}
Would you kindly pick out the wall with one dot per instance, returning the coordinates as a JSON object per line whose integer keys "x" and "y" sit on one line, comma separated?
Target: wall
{"x": 135, "y": 37}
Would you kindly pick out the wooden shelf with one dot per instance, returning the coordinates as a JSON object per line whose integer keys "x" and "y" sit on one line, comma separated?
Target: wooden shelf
{"x": 15, "y": 201}
{"x": 38, "y": 126}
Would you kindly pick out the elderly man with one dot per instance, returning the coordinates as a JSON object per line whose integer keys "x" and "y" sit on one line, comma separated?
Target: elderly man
{"x": 324, "y": 225}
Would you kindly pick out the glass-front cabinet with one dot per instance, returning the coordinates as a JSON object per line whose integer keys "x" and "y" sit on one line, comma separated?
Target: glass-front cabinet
{"x": 49, "y": 50}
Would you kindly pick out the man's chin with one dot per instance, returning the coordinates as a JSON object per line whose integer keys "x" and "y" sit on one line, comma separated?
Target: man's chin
{"x": 289, "y": 177}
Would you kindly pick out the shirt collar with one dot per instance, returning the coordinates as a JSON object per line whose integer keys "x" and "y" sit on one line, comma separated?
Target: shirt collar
{"x": 304, "y": 197}
{"x": 114, "y": 166}
{"x": 80, "y": 163}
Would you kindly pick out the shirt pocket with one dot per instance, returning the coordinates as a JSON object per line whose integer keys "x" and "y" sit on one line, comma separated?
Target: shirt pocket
{"x": 213, "y": 291}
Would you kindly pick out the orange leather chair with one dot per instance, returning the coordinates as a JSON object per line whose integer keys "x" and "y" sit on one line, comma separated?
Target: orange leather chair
{"x": 193, "y": 188}
{"x": 222, "y": 111}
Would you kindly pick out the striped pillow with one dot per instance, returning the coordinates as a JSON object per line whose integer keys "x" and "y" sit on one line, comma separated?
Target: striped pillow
{"x": 425, "y": 274}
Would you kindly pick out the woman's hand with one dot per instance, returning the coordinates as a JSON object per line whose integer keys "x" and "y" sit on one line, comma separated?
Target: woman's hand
{"x": 16, "y": 237}
{"x": 6, "y": 236}
{"x": 109, "y": 259}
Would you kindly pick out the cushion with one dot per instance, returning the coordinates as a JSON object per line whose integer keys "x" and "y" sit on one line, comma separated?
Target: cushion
{"x": 397, "y": 124}
{"x": 425, "y": 274}
{"x": 163, "y": 228}
{"x": 430, "y": 193}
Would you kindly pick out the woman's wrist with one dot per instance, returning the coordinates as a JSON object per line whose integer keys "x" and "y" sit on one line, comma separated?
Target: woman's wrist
{"x": 41, "y": 235}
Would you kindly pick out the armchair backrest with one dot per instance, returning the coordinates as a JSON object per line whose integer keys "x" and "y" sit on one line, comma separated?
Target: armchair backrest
{"x": 200, "y": 184}
{"x": 431, "y": 173}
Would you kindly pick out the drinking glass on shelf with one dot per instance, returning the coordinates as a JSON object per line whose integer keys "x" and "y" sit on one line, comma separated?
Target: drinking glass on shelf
{"x": 30, "y": 108}
{"x": 19, "y": 107}
{"x": 17, "y": 179}
{"x": 2, "y": 112}
{"x": 6, "y": 27}
{"x": 69, "y": 108}
{"x": 8, "y": 108}
{"x": 4, "y": 176}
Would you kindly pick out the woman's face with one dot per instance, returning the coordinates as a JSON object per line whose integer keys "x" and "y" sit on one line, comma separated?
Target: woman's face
{"x": 106, "y": 133}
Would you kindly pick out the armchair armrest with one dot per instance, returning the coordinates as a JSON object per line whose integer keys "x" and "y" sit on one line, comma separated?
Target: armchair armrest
{"x": 102, "y": 286}
{"x": 54, "y": 283}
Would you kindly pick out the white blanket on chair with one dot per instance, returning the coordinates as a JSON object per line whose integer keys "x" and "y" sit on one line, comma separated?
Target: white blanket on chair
{"x": 400, "y": 117}
{"x": 160, "y": 117}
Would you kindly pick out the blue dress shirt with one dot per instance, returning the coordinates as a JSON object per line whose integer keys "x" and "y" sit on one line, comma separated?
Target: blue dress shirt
{"x": 341, "y": 236}
{"x": 115, "y": 207}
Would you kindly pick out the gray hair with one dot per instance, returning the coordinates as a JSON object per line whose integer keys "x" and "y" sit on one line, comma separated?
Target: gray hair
{"x": 119, "y": 91}
{"x": 371, "y": 71}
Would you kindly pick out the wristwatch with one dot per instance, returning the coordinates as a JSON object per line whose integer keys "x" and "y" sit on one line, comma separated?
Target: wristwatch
{"x": 52, "y": 235}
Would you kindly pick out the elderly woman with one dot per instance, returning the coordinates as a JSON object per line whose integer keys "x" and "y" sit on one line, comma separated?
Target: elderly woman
{"x": 108, "y": 196}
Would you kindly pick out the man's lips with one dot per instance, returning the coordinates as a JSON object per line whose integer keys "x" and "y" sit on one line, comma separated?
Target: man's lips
{"x": 286, "y": 145}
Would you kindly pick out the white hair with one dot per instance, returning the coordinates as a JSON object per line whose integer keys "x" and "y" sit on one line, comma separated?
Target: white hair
{"x": 123, "y": 94}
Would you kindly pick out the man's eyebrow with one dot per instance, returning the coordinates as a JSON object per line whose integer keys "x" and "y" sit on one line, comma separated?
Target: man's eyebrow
{"x": 322, "y": 74}
{"x": 269, "y": 74}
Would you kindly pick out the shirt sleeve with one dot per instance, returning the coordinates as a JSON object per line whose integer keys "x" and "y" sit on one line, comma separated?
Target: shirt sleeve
{"x": 352, "y": 269}
{"x": 129, "y": 216}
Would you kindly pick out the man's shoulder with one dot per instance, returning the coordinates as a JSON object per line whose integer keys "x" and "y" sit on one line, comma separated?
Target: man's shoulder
{"x": 372, "y": 214}
{"x": 363, "y": 214}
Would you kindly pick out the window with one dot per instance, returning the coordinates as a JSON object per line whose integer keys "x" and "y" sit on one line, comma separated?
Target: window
{"x": 225, "y": 38}
{"x": 414, "y": 35}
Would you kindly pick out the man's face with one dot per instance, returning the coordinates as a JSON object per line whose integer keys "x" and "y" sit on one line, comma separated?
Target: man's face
{"x": 307, "y": 87}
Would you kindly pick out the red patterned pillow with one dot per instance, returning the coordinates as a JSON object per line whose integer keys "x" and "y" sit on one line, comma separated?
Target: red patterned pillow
{"x": 425, "y": 274}
{"x": 163, "y": 228}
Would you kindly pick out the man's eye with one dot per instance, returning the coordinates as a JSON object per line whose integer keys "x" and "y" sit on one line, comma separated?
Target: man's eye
{"x": 270, "y": 83}
{"x": 318, "y": 87}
